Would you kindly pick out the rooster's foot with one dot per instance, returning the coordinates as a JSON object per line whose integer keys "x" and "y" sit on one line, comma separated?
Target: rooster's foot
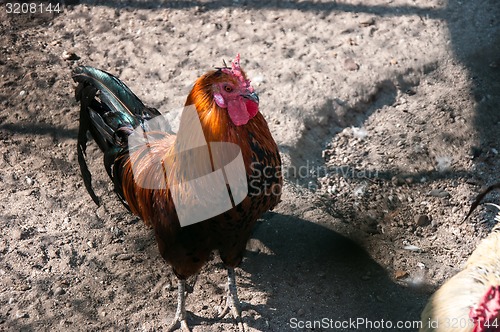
{"x": 180, "y": 314}
{"x": 173, "y": 326}
{"x": 232, "y": 301}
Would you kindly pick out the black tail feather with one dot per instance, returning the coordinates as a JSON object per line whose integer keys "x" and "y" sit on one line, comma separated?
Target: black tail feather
{"x": 85, "y": 94}
{"x": 480, "y": 197}
{"x": 109, "y": 111}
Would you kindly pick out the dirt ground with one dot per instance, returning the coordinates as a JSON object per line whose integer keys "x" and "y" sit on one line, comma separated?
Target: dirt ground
{"x": 386, "y": 114}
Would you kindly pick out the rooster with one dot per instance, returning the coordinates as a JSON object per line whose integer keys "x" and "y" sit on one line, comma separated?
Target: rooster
{"x": 470, "y": 300}
{"x": 227, "y": 108}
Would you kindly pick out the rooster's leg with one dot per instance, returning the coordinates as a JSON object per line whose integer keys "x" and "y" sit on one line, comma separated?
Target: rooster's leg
{"x": 232, "y": 301}
{"x": 180, "y": 314}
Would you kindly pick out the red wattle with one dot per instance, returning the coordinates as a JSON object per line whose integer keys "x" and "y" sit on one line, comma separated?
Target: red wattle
{"x": 242, "y": 110}
{"x": 238, "y": 112}
{"x": 252, "y": 108}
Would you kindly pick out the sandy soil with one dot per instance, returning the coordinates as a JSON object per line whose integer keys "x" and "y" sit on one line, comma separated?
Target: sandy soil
{"x": 386, "y": 114}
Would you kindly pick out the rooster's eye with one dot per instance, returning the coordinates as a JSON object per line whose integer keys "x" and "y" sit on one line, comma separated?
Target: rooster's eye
{"x": 227, "y": 88}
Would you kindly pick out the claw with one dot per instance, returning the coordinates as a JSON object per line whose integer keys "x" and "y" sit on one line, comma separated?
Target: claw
{"x": 232, "y": 301}
{"x": 175, "y": 324}
{"x": 180, "y": 314}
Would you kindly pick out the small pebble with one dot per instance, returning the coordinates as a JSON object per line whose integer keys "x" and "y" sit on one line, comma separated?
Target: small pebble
{"x": 22, "y": 314}
{"x": 59, "y": 291}
{"x": 124, "y": 257}
{"x": 300, "y": 312}
{"x": 400, "y": 274}
{"x": 445, "y": 201}
{"x": 411, "y": 247}
{"x": 22, "y": 93}
{"x": 368, "y": 22}
{"x": 439, "y": 193}
{"x": 70, "y": 56}
{"x": 350, "y": 65}
{"x": 410, "y": 92}
{"x": 422, "y": 220}
{"x": 332, "y": 189}
{"x": 24, "y": 287}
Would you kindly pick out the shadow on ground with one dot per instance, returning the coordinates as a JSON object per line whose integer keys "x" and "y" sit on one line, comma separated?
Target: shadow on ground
{"x": 323, "y": 272}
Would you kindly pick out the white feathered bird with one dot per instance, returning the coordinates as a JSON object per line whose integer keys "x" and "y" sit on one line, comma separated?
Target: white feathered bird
{"x": 470, "y": 300}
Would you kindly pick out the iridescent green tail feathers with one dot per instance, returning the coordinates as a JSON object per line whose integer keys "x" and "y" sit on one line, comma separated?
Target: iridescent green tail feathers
{"x": 109, "y": 111}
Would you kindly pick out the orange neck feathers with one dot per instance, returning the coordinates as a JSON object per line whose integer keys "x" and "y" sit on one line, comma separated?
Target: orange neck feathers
{"x": 217, "y": 125}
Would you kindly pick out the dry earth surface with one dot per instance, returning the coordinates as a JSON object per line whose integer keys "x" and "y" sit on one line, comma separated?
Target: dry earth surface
{"x": 386, "y": 114}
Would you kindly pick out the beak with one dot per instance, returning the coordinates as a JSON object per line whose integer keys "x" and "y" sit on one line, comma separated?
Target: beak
{"x": 252, "y": 96}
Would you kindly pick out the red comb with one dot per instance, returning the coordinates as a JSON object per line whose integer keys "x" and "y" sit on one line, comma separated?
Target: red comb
{"x": 238, "y": 72}
{"x": 236, "y": 64}
{"x": 485, "y": 313}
